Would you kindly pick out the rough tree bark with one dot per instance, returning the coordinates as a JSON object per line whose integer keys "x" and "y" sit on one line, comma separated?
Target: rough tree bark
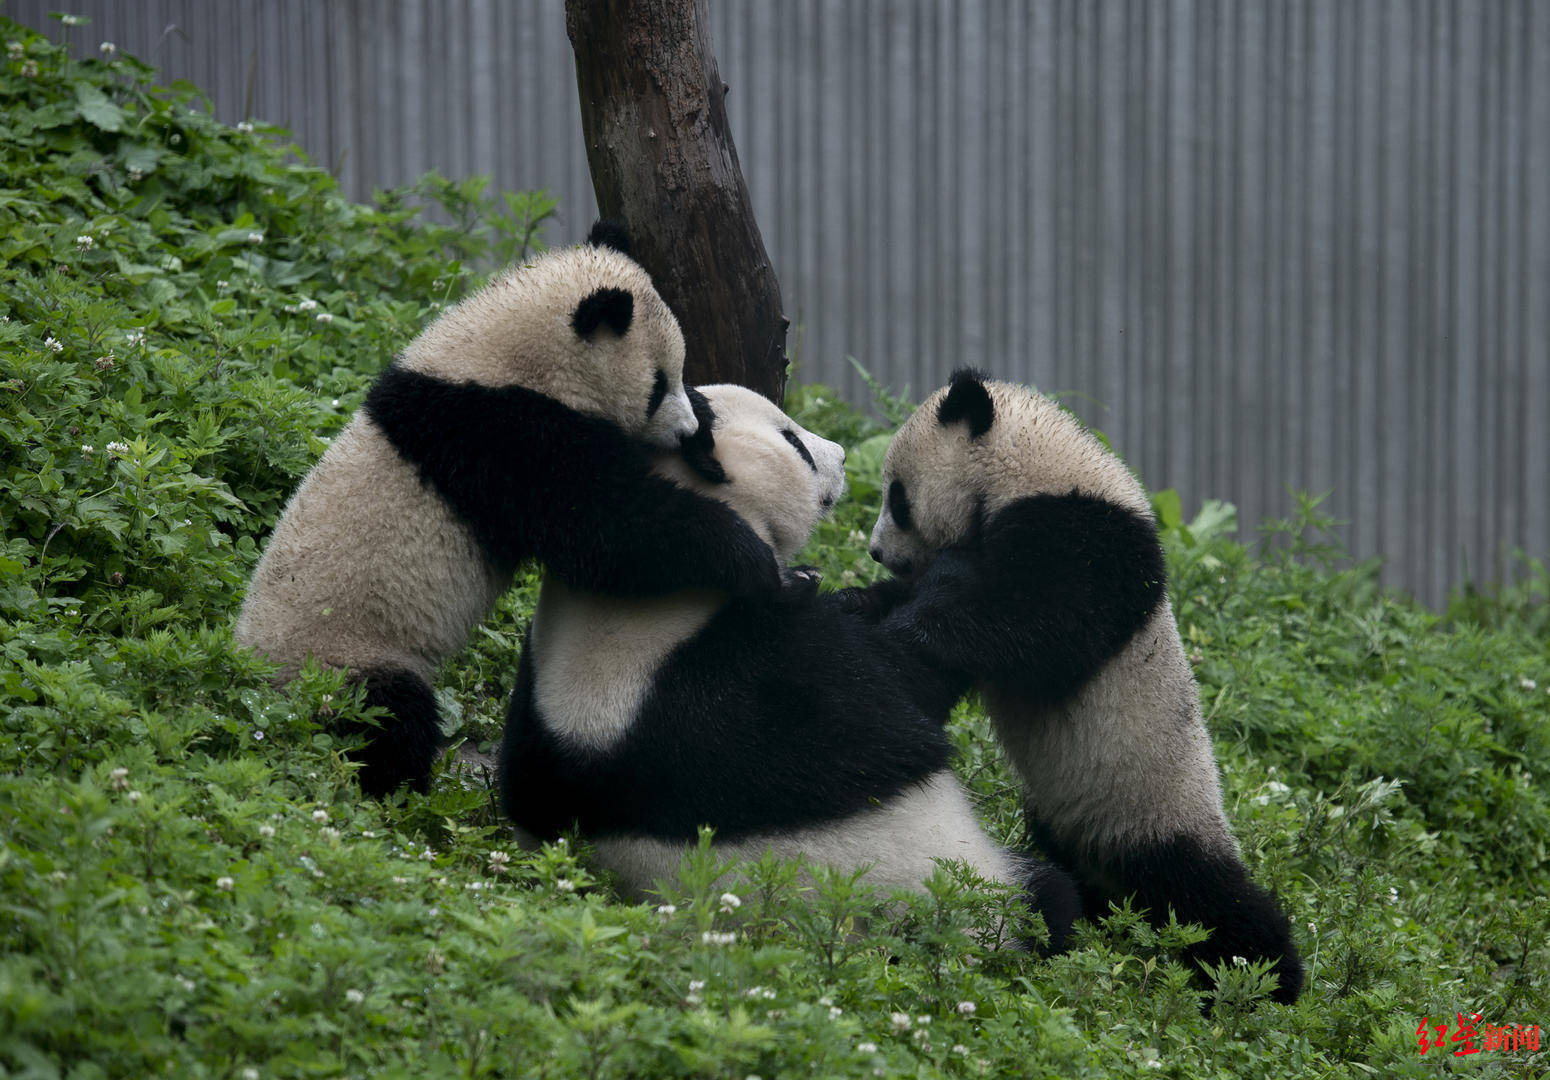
{"x": 662, "y": 162}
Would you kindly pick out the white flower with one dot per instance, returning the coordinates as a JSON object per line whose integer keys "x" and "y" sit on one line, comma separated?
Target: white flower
{"x": 136, "y": 174}
{"x": 72, "y": 20}
{"x": 336, "y": 403}
{"x": 428, "y": 855}
{"x": 307, "y": 305}
{"x": 118, "y": 449}
{"x": 250, "y": 1073}
{"x": 696, "y": 985}
{"x": 266, "y": 831}
{"x": 133, "y": 796}
{"x": 835, "y": 1012}
{"x": 85, "y": 242}
{"x": 1393, "y": 895}
{"x": 222, "y": 284}
{"x": 1154, "y": 1063}
{"x": 960, "y": 1049}
{"x": 1239, "y": 961}
{"x": 667, "y": 910}
{"x": 184, "y": 981}
{"x": 1313, "y": 928}
{"x": 87, "y": 449}
{"x": 258, "y": 736}
{"x": 1277, "y": 787}
{"x": 120, "y": 778}
{"x": 397, "y": 880}
{"x": 320, "y": 816}
{"x": 255, "y": 237}
{"x": 1528, "y": 684}
{"x": 135, "y": 337}
{"x": 107, "y": 48}
{"x": 325, "y": 317}
{"x": 175, "y": 139}
{"x": 354, "y": 996}
{"x": 225, "y": 884}
{"x": 967, "y": 1008}
{"x": 15, "y": 50}
{"x": 730, "y": 902}
{"x": 565, "y": 884}
{"x": 51, "y": 343}
{"x": 498, "y": 862}
{"x": 866, "y": 1048}
{"x": 30, "y": 69}
{"x": 711, "y": 937}
{"x": 901, "y": 1021}
{"x": 922, "y": 1020}
{"x": 330, "y": 833}
{"x": 245, "y": 127}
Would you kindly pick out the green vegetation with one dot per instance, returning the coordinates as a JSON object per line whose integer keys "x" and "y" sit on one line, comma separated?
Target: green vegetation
{"x": 191, "y": 884}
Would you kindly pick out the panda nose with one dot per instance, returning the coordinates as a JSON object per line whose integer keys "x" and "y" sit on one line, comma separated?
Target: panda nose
{"x": 876, "y": 553}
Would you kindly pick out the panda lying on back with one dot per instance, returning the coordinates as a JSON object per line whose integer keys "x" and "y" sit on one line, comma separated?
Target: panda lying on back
{"x": 1028, "y": 558}
{"x": 787, "y": 724}
{"x": 520, "y": 424}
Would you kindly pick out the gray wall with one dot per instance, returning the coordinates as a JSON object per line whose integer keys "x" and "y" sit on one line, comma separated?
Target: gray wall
{"x": 1263, "y": 245}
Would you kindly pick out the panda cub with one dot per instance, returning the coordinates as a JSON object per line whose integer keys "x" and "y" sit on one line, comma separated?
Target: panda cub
{"x": 785, "y": 724}
{"x": 520, "y": 424}
{"x": 1028, "y": 557}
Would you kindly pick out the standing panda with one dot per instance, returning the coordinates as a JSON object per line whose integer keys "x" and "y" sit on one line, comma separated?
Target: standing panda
{"x": 1027, "y": 556}
{"x": 785, "y": 724}
{"x": 520, "y": 424}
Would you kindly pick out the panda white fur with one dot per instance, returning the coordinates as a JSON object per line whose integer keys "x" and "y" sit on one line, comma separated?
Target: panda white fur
{"x": 1027, "y": 557}
{"x": 520, "y": 424}
{"x": 786, "y": 724}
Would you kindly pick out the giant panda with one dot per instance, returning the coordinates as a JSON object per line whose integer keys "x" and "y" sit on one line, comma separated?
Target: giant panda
{"x": 785, "y": 724}
{"x": 1026, "y": 555}
{"x": 521, "y": 423}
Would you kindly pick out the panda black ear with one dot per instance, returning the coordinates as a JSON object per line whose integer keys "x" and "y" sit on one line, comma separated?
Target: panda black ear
{"x": 616, "y": 307}
{"x": 967, "y": 399}
{"x": 608, "y": 233}
{"x": 699, "y": 449}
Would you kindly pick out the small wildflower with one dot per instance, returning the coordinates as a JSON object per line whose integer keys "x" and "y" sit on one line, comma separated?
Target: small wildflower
{"x": 667, "y": 910}
{"x": 250, "y": 1073}
{"x": 329, "y": 833}
{"x": 135, "y": 337}
{"x": 835, "y": 1012}
{"x": 30, "y": 69}
{"x": 87, "y": 449}
{"x": 258, "y": 736}
{"x": 175, "y": 138}
{"x": 120, "y": 778}
{"x": 136, "y": 174}
{"x": 1528, "y": 684}
{"x": 15, "y": 50}
{"x": 336, "y": 403}
{"x": 1277, "y": 788}
{"x": 307, "y": 305}
{"x": 85, "y": 242}
{"x": 1313, "y": 928}
{"x": 184, "y": 981}
{"x": 245, "y": 127}
{"x": 72, "y": 20}
{"x": 866, "y": 1048}
{"x": 1393, "y": 895}
{"x": 222, "y": 284}
{"x": 225, "y": 884}
{"x": 320, "y": 816}
{"x": 730, "y": 902}
{"x": 118, "y": 449}
{"x": 398, "y": 880}
{"x": 900, "y": 1021}
{"x": 106, "y": 363}
{"x": 498, "y": 862}
{"x": 428, "y": 855}
{"x": 711, "y": 937}
{"x": 255, "y": 237}
{"x": 325, "y": 317}
{"x": 967, "y": 1008}
{"x": 53, "y": 343}
{"x": 1239, "y": 961}
{"x": 564, "y": 884}
{"x": 960, "y": 1049}
{"x": 133, "y": 796}
{"x": 116, "y": 577}
{"x": 266, "y": 831}
{"x": 922, "y": 1020}
{"x": 107, "y": 48}
{"x": 1154, "y": 1063}
{"x": 696, "y": 985}
{"x": 354, "y": 996}
{"x": 923, "y": 1037}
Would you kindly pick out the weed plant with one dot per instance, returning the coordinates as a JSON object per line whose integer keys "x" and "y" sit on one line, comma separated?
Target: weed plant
{"x": 191, "y": 884}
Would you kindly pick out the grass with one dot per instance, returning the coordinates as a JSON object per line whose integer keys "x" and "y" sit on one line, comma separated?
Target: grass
{"x": 191, "y": 884}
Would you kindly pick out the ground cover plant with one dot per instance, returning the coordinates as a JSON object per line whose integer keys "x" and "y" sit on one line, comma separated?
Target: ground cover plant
{"x": 191, "y": 884}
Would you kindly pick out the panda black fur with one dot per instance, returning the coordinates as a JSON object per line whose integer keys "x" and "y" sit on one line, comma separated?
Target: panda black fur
{"x": 787, "y": 724}
{"x": 521, "y": 423}
{"x": 1028, "y": 557}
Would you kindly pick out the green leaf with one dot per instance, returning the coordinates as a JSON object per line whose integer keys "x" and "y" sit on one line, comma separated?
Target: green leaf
{"x": 95, "y": 108}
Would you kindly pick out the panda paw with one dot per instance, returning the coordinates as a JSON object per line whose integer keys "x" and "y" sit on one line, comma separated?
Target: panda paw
{"x": 799, "y": 584}
{"x": 402, "y": 747}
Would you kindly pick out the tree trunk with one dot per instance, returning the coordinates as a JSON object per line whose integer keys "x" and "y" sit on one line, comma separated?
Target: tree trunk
{"x": 663, "y": 163}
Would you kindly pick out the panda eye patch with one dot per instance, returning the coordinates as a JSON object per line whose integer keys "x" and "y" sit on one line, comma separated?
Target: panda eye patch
{"x": 791, "y": 437}
{"x": 658, "y": 394}
{"x": 899, "y": 504}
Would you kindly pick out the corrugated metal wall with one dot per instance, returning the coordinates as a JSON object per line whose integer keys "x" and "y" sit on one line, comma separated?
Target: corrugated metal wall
{"x": 1263, "y": 245}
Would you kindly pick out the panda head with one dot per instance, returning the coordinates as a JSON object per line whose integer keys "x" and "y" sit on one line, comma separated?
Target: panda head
{"x": 581, "y": 325}
{"x": 970, "y": 449}
{"x": 777, "y": 476}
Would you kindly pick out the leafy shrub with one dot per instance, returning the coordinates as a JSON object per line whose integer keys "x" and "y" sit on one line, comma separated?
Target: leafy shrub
{"x": 190, "y": 885}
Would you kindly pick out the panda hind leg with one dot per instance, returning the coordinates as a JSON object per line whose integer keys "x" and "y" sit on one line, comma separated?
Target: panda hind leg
{"x": 402, "y": 746}
{"x": 1052, "y": 893}
{"x": 1207, "y": 886}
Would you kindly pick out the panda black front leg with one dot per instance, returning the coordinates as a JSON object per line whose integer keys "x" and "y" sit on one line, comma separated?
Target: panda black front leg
{"x": 403, "y": 745}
